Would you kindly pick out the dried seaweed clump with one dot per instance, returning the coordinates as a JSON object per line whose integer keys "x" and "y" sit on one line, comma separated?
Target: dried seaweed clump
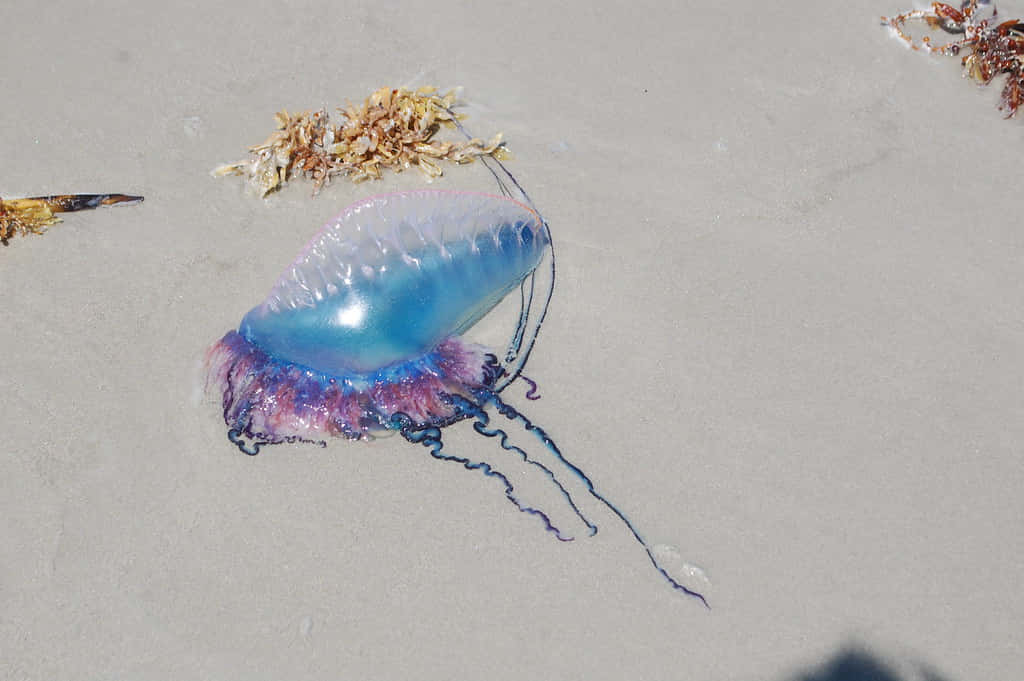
{"x": 394, "y": 128}
{"x": 996, "y": 48}
{"x": 34, "y": 215}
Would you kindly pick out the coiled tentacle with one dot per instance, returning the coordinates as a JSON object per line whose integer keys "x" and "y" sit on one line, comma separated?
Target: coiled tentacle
{"x": 513, "y": 414}
{"x": 430, "y": 437}
{"x": 475, "y": 411}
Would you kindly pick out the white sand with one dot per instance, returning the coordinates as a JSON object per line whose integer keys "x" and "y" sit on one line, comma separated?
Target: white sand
{"x": 787, "y": 340}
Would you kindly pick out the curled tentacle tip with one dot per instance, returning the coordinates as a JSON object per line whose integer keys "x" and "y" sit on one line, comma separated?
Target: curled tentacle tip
{"x": 236, "y": 438}
{"x": 532, "y": 393}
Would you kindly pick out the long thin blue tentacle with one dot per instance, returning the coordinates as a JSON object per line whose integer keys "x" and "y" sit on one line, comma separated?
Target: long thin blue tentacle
{"x": 430, "y": 437}
{"x": 513, "y": 414}
{"x": 525, "y": 333}
{"x": 480, "y": 426}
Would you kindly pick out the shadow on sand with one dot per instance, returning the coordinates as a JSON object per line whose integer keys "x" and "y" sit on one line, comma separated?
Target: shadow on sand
{"x": 857, "y": 664}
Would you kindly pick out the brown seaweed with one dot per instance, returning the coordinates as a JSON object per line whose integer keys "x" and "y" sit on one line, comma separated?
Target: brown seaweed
{"x": 393, "y": 129}
{"x": 994, "y": 48}
{"x": 33, "y": 215}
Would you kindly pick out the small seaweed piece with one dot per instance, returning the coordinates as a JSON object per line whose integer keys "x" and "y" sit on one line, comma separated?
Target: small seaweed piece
{"x": 995, "y": 48}
{"x": 33, "y": 215}
{"x": 394, "y": 128}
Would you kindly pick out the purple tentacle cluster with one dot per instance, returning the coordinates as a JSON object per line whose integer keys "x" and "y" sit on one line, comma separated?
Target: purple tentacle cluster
{"x": 273, "y": 401}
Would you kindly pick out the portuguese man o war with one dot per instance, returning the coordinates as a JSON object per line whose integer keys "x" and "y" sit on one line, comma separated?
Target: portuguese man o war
{"x": 363, "y": 334}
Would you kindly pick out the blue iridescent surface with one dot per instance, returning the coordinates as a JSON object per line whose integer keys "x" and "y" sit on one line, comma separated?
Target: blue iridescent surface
{"x": 379, "y": 300}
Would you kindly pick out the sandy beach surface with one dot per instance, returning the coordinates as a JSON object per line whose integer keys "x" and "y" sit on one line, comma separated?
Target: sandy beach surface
{"x": 786, "y": 339}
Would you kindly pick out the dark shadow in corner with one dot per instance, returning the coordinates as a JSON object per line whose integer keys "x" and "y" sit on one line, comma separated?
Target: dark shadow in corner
{"x": 857, "y": 664}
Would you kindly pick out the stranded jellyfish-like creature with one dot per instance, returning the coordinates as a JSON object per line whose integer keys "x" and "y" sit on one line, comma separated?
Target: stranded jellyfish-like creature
{"x": 363, "y": 333}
